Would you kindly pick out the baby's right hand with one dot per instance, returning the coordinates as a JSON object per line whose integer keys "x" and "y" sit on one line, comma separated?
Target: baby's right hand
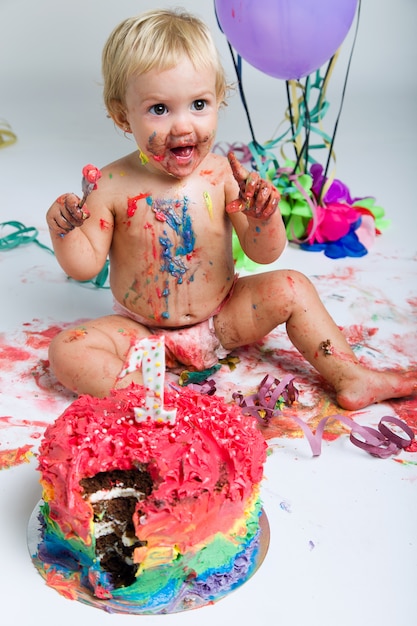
{"x": 65, "y": 214}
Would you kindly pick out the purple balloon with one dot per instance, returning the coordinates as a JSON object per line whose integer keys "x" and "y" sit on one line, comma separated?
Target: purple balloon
{"x": 286, "y": 39}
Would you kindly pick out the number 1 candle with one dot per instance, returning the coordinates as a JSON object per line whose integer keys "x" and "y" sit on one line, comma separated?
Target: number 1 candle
{"x": 148, "y": 354}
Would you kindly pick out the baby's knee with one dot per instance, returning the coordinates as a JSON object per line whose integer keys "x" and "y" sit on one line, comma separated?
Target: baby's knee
{"x": 295, "y": 283}
{"x": 64, "y": 346}
{"x": 299, "y": 279}
{"x": 67, "y": 337}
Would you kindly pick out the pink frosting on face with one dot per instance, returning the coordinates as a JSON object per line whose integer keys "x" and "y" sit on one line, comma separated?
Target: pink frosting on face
{"x": 204, "y": 466}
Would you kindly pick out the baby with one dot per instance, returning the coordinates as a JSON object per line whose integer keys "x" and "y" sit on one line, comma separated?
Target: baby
{"x": 164, "y": 215}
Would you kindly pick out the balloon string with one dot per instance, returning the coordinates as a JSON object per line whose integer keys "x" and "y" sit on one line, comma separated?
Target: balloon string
{"x": 326, "y": 78}
{"x": 327, "y": 142}
{"x": 304, "y": 118}
{"x": 238, "y": 69}
{"x": 287, "y": 85}
{"x": 309, "y": 115}
{"x": 296, "y": 113}
{"x": 307, "y": 120}
{"x": 341, "y": 103}
{"x": 306, "y": 125}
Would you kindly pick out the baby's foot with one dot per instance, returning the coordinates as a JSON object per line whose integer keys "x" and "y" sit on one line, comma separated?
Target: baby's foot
{"x": 375, "y": 386}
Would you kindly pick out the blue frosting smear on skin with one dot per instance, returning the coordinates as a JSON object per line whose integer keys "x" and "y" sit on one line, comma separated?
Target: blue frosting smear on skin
{"x": 175, "y": 214}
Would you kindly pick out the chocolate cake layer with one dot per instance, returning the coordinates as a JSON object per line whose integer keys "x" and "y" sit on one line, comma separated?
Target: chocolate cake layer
{"x": 114, "y": 496}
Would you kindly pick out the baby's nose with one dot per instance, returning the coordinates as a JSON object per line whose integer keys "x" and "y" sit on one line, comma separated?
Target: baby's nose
{"x": 182, "y": 125}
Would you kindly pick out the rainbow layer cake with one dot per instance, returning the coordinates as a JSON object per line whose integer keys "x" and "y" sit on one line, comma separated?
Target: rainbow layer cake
{"x": 150, "y": 515}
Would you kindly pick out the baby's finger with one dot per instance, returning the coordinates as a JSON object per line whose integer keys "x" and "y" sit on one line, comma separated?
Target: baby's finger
{"x": 253, "y": 184}
{"x": 248, "y": 182}
{"x": 71, "y": 210}
{"x": 239, "y": 172}
{"x": 262, "y": 197}
{"x": 266, "y": 201}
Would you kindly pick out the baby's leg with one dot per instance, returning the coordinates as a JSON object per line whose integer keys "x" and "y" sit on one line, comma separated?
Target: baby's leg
{"x": 263, "y": 301}
{"x": 89, "y": 358}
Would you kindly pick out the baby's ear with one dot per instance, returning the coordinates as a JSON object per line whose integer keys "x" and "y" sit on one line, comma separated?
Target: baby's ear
{"x": 117, "y": 112}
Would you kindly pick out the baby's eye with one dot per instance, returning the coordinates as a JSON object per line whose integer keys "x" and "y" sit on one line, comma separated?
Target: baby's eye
{"x": 158, "y": 109}
{"x": 199, "y": 105}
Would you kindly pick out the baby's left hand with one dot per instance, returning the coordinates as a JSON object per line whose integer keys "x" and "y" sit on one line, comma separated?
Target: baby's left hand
{"x": 257, "y": 197}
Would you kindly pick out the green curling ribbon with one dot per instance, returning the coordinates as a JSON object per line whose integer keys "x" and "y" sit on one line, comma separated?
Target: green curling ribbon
{"x": 21, "y": 235}
{"x": 187, "y": 377}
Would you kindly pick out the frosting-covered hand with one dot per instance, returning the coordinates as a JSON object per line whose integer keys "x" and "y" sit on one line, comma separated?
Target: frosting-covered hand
{"x": 68, "y": 211}
{"x": 65, "y": 214}
{"x": 257, "y": 197}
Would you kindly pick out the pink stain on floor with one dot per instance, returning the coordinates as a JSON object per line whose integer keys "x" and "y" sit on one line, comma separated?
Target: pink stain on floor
{"x": 40, "y": 339}
{"x": 12, "y": 354}
{"x": 33, "y": 397}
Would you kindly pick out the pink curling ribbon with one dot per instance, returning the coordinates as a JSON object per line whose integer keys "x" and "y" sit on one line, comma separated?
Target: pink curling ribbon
{"x": 241, "y": 150}
{"x": 382, "y": 442}
{"x": 267, "y": 397}
{"x": 206, "y": 387}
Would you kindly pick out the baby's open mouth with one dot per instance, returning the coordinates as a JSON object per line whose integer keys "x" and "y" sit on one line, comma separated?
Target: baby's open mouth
{"x": 183, "y": 152}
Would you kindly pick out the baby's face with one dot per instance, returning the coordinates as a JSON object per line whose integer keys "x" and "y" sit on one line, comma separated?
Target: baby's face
{"x": 173, "y": 117}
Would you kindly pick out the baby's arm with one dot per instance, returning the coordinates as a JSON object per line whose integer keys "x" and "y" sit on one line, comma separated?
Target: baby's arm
{"x": 254, "y": 215}
{"x": 80, "y": 246}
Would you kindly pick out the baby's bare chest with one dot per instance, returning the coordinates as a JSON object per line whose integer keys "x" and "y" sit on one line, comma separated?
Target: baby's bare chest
{"x": 178, "y": 219}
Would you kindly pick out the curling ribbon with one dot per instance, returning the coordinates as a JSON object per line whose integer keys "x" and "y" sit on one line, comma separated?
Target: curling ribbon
{"x": 21, "y": 234}
{"x": 7, "y": 136}
{"x": 382, "y": 442}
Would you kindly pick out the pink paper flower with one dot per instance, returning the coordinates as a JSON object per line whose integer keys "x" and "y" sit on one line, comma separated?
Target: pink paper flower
{"x": 332, "y": 222}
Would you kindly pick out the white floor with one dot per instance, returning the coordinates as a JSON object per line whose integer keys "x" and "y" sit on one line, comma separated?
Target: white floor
{"x": 343, "y": 547}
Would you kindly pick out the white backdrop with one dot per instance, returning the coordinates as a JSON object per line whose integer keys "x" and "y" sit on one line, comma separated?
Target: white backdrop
{"x": 50, "y": 85}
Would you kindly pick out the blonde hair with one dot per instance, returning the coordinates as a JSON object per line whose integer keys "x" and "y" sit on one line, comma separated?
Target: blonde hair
{"x": 157, "y": 39}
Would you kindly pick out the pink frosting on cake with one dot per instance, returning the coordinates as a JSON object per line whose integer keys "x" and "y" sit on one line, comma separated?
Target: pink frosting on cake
{"x": 204, "y": 466}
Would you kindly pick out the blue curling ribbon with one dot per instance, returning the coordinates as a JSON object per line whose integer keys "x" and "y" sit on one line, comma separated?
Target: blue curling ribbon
{"x": 22, "y": 235}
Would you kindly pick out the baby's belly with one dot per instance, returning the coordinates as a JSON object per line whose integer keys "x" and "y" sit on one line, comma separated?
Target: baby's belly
{"x": 171, "y": 305}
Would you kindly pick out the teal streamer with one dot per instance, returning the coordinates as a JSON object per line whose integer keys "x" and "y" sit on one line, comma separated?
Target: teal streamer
{"x": 23, "y": 235}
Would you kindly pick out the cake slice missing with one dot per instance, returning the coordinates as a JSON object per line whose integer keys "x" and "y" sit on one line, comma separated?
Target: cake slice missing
{"x": 114, "y": 496}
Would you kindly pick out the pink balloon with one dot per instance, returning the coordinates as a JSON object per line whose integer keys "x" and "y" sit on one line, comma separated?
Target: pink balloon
{"x": 286, "y": 39}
